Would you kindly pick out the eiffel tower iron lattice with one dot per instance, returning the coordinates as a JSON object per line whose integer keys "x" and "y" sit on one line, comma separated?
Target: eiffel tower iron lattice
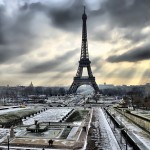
{"x": 84, "y": 63}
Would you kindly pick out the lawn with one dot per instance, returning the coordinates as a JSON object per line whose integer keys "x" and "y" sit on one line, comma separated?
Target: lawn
{"x": 78, "y": 115}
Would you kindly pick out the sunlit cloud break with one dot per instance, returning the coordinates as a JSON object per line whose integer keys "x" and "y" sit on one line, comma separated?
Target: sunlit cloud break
{"x": 41, "y": 39}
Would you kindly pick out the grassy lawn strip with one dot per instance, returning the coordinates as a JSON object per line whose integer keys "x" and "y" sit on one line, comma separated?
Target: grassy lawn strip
{"x": 78, "y": 115}
{"x": 65, "y": 133}
{"x": 10, "y": 116}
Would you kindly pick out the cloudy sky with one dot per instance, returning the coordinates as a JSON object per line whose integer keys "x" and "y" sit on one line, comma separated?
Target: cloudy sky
{"x": 40, "y": 41}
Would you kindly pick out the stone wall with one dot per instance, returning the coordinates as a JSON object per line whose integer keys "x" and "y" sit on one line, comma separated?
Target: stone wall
{"x": 140, "y": 121}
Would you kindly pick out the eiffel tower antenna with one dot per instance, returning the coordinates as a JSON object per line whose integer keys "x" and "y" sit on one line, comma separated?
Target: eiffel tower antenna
{"x": 84, "y": 63}
{"x": 84, "y": 9}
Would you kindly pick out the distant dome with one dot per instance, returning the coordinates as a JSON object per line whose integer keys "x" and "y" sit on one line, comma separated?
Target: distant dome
{"x": 31, "y": 84}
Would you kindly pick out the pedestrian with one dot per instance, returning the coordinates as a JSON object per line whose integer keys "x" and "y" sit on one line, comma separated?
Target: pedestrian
{"x": 50, "y": 142}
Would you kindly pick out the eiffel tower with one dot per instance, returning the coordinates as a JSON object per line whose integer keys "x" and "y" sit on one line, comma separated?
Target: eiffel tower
{"x": 84, "y": 63}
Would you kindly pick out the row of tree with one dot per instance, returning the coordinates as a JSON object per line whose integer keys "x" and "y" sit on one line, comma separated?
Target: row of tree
{"x": 10, "y": 92}
{"x": 135, "y": 97}
{"x": 136, "y": 100}
{"x": 48, "y": 91}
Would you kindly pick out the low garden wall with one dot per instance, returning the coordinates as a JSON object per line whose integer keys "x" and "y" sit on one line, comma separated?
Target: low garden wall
{"x": 139, "y": 120}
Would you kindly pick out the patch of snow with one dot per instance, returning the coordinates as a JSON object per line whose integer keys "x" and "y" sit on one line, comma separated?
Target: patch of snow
{"x": 51, "y": 115}
{"x": 72, "y": 133}
{"x": 3, "y": 134}
{"x": 105, "y": 128}
{"x": 10, "y": 110}
{"x": 77, "y": 123}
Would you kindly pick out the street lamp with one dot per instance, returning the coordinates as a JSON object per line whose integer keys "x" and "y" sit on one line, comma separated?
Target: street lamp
{"x": 121, "y": 135}
{"x": 122, "y": 128}
{"x": 8, "y": 141}
{"x": 126, "y": 139}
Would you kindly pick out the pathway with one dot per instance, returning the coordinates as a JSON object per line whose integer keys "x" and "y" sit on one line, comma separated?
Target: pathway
{"x": 100, "y": 136}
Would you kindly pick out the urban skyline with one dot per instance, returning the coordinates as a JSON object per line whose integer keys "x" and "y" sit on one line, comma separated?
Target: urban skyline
{"x": 101, "y": 47}
{"x": 40, "y": 41}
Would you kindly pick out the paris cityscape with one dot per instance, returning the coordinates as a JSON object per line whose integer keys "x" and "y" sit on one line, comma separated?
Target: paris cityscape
{"x": 74, "y": 75}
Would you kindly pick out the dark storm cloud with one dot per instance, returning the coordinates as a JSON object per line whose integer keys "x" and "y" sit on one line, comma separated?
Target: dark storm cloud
{"x": 135, "y": 36}
{"x": 128, "y": 13}
{"x": 16, "y": 36}
{"x": 132, "y": 35}
{"x": 134, "y": 55}
{"x": 52, "y": 65}
{"x": 7, "y": 53}
{"x": 65, "y": 17}
{"x": 102, "y": 35}
{"x": 2, "y": 19}
{"x": 121, "y": 73}
{"x": 97, "y": 63}
{"x": 63, "y": 72}
{"x": 68, "y": 18}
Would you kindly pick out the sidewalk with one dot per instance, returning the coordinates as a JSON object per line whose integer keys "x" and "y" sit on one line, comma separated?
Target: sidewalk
{"x": 100, "y": 135}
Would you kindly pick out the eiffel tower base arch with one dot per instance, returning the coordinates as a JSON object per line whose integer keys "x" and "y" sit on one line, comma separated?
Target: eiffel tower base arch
{"x": 83, "y": 81}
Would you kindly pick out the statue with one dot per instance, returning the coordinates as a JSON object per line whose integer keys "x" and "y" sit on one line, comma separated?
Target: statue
{"x": 12, "y": 135}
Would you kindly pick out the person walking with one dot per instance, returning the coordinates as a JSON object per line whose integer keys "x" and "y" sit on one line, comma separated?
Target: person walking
{"x": 50, "y": 142}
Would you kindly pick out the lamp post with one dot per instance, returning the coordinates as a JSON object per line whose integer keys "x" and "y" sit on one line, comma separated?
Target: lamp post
{"x": 121, "y": 129}
{"x": 121, "y": 135}
{"x": 84, "y": 103}
{"x": 126, "y": 139}
{"x": 8, "y": 141}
